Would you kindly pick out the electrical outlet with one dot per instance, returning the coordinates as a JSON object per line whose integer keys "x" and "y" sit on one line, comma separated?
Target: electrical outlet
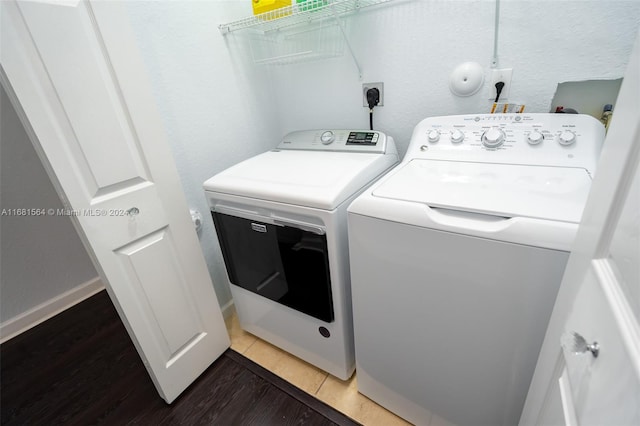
{"x": 367, "y": 86}
{"x": 503, "y": 75}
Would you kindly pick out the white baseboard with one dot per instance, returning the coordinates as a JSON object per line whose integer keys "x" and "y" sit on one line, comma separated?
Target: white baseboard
{"x": 23, "y": 322}
{"x": 228, "y": 309}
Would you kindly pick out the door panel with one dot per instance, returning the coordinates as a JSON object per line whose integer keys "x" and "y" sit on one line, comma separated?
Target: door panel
{"x": 86, "y": 89}
{"x": 74, "y": 74}
{"x": 153, "y": 262}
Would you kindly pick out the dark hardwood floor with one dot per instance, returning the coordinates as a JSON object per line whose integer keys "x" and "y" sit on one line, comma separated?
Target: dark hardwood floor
{"x": 80, "y": 367}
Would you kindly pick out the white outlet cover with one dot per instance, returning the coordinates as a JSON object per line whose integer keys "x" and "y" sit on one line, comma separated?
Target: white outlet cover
{"x": 466, "y": 79}
{"x": 503, "y": 75}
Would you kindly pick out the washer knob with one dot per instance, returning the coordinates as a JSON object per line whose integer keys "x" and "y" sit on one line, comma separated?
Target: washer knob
{"x": 493, "y": 137}
{"x": 433, "y": 136}
{"x": 457, "y": 136}
{"x": 535, "y": 137}
{"x": 567, "y": 137}
{"x": 327, "y": 137}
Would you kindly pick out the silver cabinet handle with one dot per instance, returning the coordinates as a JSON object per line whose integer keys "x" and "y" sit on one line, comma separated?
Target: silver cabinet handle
{"x": 581, "y": 346}
{"x": 133, "y": 211}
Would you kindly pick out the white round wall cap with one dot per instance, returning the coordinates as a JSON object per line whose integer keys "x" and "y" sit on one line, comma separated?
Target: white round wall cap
{"x": 466, "y": 79}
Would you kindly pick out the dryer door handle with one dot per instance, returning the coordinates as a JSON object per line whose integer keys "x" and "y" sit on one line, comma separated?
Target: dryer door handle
{"x": 282, "y": 221}
{"x": 245, "y": 214}
{"x": 272, "y": 218}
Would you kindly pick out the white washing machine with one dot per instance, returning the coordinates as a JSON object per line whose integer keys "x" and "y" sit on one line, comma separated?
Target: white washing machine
{"x": 281, "y": 220}
{"x": 456, "y": 258}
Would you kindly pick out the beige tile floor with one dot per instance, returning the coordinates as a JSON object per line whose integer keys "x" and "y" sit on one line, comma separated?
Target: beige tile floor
{"x": 341, "y": 395}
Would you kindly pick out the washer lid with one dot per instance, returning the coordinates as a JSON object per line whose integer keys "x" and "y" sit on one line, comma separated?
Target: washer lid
{"x": 305, "y": 178}
{"x": 507, "y": 190}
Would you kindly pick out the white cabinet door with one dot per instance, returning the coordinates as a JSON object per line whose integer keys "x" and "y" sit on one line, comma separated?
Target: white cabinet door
{"x": 72, "y": 69}
{"x": 599, "y": 298}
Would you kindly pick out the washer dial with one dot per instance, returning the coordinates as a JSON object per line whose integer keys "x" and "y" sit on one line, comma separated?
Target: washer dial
{"x": 327, "y": 137}
{"x": 457, "y": 136}
{"x": 493, "y": 137}
{"x": 567, "y": 137}
{"x": 433, "y": 136}
{"x": 535, "y": 137}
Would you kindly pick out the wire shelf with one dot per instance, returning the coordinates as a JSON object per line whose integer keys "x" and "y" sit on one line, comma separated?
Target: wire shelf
{"x": 305, "y": 12}
{"x": 317, "y": 40}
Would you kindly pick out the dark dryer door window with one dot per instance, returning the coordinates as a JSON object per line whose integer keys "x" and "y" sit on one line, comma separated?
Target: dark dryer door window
{"x": 285, "y": 264}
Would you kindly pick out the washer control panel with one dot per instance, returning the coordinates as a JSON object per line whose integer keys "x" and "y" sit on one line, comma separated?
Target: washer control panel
{"x": 572, "y": 140}
{"x": 337, "y": 140}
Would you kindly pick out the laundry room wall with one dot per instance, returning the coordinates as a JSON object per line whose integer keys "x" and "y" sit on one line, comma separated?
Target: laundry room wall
{"x": 413, "y": 45}
{"x": 216, "y": 106}
{"x": 219, "y": 107}
{"x": 43, "y": 264}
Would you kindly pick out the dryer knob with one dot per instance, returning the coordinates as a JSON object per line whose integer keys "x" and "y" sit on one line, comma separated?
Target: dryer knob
{"x": 327, "y": 137}
{"x": 567, "y": 137}
{"x": 433, "y": 136}
{"x": 493, "y": 137}
{"x": 535, "y": 137}
{"x": 457, "y": 136}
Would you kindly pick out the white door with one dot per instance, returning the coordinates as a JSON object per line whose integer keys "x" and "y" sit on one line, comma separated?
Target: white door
{"x": 74, "y": 74}
{"x": 599, "y": 298}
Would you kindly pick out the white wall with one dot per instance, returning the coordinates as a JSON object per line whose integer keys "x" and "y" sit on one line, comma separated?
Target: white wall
{"x": 219, "y": 107}
{"x": 41, "y": 256}
{"x": 413, "y": 45}
{"x": 215, "y": 105}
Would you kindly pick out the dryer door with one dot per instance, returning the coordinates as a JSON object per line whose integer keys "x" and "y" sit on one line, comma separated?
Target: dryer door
{"x": 286, "y": 264}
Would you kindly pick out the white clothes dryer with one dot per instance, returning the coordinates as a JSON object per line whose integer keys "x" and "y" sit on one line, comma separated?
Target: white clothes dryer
{"x": 456, "y": 259}
{"x": 281, "y": 220}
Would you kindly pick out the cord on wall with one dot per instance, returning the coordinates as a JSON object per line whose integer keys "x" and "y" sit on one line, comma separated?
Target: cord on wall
{"x": 499, "y": 87}
{"x": 373, "y": 99}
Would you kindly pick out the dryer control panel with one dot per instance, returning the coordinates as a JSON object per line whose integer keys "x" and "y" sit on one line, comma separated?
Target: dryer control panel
{"x": 566, "y": 140}
{"x": 368, "y": 141}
